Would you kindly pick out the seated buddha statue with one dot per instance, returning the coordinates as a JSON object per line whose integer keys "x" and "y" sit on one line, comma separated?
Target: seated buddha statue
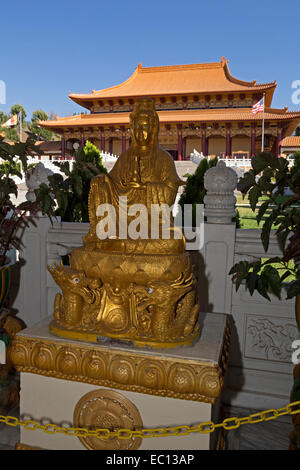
{"x": 145, "y": 174}
{"x": 140, "y": 289}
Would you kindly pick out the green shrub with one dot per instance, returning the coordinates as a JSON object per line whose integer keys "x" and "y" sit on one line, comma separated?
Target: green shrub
{"x": 72, "y": 192}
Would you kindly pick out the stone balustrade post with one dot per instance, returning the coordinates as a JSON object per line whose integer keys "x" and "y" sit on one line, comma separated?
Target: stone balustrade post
{"x": 219, "y": 235}
{"x": 30, "y": 272}
{"x": 31, "y": 298}
{"x": 220, "y": 182}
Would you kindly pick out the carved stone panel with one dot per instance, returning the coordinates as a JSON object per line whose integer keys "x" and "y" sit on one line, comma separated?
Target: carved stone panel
{"x": 270, "y": 338}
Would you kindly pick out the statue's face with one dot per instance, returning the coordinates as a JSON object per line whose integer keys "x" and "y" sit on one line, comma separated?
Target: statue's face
{"x": 143, "y": 129}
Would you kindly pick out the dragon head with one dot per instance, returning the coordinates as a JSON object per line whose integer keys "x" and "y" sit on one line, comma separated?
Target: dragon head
{"x": 159, "y": 292}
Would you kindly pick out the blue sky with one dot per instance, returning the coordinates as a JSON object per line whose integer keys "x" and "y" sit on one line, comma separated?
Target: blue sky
{"x": 51, "y": 48}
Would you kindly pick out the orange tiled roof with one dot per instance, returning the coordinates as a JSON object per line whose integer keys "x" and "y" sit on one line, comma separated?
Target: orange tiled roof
{"x": 291, "y": 141}
{"x": 176, "y": 79}
{"x": 174, "y": 116}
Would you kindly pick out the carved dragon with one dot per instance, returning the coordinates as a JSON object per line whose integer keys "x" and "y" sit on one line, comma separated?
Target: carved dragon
{"x": 77, "y": 290}
{"x": 168, "y": 309}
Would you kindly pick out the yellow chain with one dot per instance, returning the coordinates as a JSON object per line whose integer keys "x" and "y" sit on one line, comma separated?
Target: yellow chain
{"x": 184, "y": 430}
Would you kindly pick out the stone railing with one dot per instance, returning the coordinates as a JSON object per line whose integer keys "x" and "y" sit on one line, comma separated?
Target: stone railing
{"x": 260, "y": 372}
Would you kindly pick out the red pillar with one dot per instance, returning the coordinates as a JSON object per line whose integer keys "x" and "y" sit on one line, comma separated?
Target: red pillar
{"x": 103, "y": 143}
{"x": 63, "y": 148}
{"x": 203, "y": 144}
{"x": 253, "y": 143}
{"x": 228, "y": 144}
{"x": 179, "y": 144}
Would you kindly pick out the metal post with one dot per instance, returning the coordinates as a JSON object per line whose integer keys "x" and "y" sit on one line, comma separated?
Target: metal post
{"x": 263, "y": 127}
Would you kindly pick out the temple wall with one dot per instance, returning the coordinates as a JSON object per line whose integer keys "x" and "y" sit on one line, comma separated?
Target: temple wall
{"x": 96, "y": 141}
{"x": 216, "y": 145}
{"x": 241, "y": 143}
{"x": 117, "y": 147}
{"x": 193, "y": 143}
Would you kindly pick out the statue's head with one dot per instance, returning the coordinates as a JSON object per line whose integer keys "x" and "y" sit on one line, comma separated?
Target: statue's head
{"x": 144, "y": 122}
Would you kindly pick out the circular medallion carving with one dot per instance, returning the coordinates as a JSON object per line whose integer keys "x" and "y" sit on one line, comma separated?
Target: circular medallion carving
{"x": 18, "y": 354}
{"x": 210, "y": 383}
{"x": 67, "y": 362}
{"x": 42, "y": 357}
{"x": 151, "y": 374}
{"x": 181, "y": 379}
{"x": 109, "y": 410}
{"x": 122, "y": 370}
{"x": 93, "y": 365}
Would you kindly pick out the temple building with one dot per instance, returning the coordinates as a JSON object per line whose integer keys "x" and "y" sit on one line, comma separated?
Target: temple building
{"x": 200, "y": 106}
{"x": 290, "y": 145}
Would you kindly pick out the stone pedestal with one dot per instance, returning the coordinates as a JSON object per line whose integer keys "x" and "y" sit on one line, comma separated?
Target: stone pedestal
{"x": 116, "y": 385}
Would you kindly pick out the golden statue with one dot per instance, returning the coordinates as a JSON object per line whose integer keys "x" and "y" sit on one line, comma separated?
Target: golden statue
{"x": 134, "y": 285}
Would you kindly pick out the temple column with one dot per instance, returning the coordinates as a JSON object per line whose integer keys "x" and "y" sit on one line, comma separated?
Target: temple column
{"x": 228, "y": 143}
{"x": 184, "y": 149}
{"x": 203, "y": 145}
{"x": 253, "y": 142}
{"x": 63, "y": 148}
{"x": 123, "y": 142}
{"x": 278, "y": 141}
{"x": 82, "y": 141}
{"x": 179, "y": 144}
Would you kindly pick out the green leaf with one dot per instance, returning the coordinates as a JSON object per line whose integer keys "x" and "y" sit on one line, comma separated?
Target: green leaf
{"x": 246, "y": 182}
{"x": 257, "y": 266}
{"x": 46, "y": 203}
{"x": 253, "y": 196}
{"x": 261, "y": 211}
{"x": 274, "y": 280}
{"x": 293, "y": 289}
{"x": 265, "y": 233}
{"x": 62, "y": 201}
{"x": 239, "y": 280}
{"x": 55, "y": 180}
{"x": 251, "y": 282}
{"x": 275, "y": 259}
{"x": 77, "y": 184}
{"x": 285, "y": 275}
{"x": 262, "y": 288}
{"x": 241, "y": 267}
{"x": 259, "y": 162}
{"x": 268, "y": 173}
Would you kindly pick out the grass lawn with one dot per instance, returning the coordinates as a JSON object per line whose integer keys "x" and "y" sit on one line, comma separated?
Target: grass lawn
{"x": 247, "y": 216}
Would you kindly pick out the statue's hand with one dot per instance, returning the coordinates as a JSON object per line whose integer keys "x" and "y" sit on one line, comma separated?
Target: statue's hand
{"x": 135, "y": 185}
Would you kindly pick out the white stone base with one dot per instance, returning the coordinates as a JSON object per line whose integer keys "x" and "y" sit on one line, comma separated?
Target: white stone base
{"x": 47, "y": 399}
